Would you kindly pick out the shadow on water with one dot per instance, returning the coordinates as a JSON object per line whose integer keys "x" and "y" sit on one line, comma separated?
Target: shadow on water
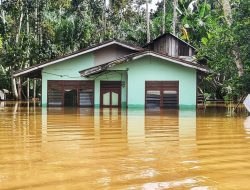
{"x": 89, "y": 148}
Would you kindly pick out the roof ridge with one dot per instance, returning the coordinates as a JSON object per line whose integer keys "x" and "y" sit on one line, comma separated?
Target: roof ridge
{"x": 77, "y": 53}
{"x": 166, "y": 33}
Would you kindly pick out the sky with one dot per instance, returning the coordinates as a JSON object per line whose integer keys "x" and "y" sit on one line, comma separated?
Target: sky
{"x": 152, "y": 4}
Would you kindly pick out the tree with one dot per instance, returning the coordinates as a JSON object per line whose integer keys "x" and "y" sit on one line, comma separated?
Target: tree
{"x": 148, "y": 21}
{"x": 228, "y": 16}
{"x": 175, "y": 4}
{"x": 220, "y": 46}
{"x": 33, "y": 31}
{"x": 164, "y": 17}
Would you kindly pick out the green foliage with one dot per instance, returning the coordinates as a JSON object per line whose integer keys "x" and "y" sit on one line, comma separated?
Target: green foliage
{"x": 219, "y": 47}
{"x": 33, "y": 31}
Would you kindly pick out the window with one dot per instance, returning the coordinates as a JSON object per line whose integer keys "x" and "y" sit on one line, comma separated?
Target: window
{"x": 86, "y": 97}
{"x": 162, "y": 94}
{"x": 55, "y": 97}
{"x": 71, "y": 93}
{"x": 170, "y": 98}
{"x": 183, "y": 49}
{"x": 153, "y": 98}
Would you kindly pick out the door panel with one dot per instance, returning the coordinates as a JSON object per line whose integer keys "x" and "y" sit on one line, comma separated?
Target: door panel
{"x": 110, "y": 95}
{"x": 106, "y": 99}
{"x": 115, "y": 99}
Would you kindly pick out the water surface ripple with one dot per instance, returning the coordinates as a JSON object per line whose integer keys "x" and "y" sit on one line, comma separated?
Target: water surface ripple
{"x": 81, "y": 148}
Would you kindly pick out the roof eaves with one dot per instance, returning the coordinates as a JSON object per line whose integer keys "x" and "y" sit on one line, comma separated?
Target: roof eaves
{"x": 134, "y": 56}
{"x": 103, "y": 67}
{"x": 175, "y": 60}
{"x": 75, "y": 54}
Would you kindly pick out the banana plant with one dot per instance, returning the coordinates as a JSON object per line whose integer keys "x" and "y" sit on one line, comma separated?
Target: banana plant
{"x": 2, "y": 70}
{"x": 196, "y": 19}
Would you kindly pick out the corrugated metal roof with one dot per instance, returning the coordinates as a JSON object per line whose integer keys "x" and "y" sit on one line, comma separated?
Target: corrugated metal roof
{"x": 75, "y": 54}
{"x": 104, "y": 67}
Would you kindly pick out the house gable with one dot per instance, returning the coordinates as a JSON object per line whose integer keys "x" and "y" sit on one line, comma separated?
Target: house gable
{"x": 120, "y": 46}
{"x": 110, "y": 53}
{"x": 150, "y": 68}
{"x": 68, "y": 69}
{"x": 171, "y": 45}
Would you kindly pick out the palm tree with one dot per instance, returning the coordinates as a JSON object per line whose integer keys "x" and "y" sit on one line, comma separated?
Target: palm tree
{"x": 229, "y": 19}
{"x": 147, "y": 18}
{"x": 104, "y": 20}
{"x": 164, "y": 17}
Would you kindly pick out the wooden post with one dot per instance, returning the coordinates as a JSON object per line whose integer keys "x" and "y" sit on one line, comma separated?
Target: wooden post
{"x": 34, "y": 90}
{"x": 28, "y": 89}
{"x": 19, "y": 88}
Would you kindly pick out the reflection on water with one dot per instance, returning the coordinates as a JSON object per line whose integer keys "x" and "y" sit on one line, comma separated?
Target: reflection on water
{"x": 82, "y": 148}
{"x": 247, "y": 125}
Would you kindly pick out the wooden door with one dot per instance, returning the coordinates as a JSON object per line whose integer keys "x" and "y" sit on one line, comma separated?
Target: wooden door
{"x": 110, "y": 94}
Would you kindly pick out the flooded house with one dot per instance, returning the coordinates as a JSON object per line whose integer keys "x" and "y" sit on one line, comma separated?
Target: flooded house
{"x": 163, "y": 73}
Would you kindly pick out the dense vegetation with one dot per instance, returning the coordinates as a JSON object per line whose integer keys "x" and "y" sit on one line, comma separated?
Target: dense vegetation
{"x": 32, "y": 31}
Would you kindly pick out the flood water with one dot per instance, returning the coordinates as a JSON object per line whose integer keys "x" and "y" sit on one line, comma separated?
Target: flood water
{"x": 79, "y": 148}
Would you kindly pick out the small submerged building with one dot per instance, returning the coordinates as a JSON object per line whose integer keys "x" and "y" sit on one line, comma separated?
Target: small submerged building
{"x": 117, "y": 74}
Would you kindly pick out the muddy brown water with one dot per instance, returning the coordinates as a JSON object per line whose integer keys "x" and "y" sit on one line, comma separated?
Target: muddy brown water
{"x": 79, "y": 148}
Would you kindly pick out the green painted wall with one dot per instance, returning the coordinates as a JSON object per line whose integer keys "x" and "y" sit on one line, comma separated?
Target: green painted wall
{"x": 153, "y": 69}
{"x": 138, "y": 72}
{"x": 69, "y": 70}
{"x": 112, "y": 76}
{"x": 66, "y": 70}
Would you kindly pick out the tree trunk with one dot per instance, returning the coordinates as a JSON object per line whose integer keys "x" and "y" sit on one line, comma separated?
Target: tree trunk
{"x": 227, "y": 11}
{"x": 28, "y": 33}
{"x": 40, "y": 29}
{"x": 36, "y": 22}
{"x": 27, "y": 22}
{"x": 20, "y": 25}
{"x": 17, "y": 92}
{"x": 104, "y": 19}
{"x": 3, "y": 17}
{"x": 147, "y": 18}
{"x": 238, "y": 63}
{"x": 229, "y": 19}
{"x": 164, "y": 17}
{"x": 13, "y": 85}
{"x": 175, "y": 2}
